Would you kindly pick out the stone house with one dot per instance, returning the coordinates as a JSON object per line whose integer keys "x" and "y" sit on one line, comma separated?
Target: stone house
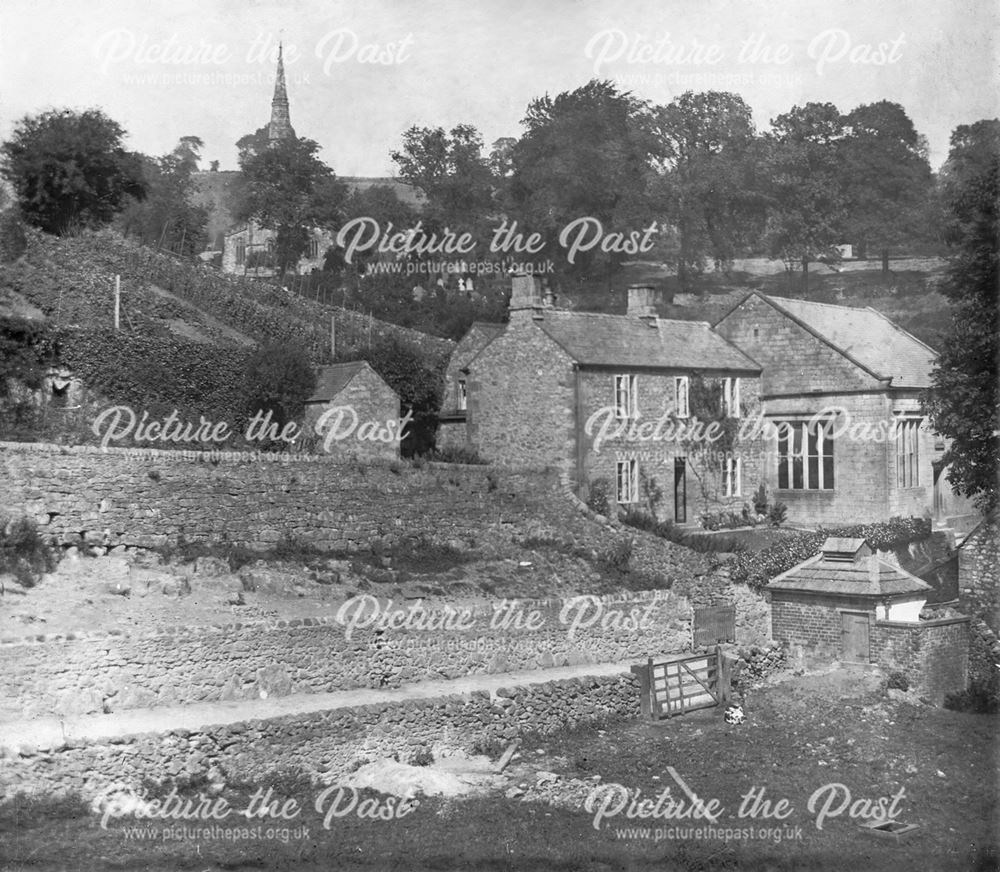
{"x": 455, "y": 401}
{"x": 846, "y": 437}
{"x": 356, "y": 409}
{"x": 613, "y": 400}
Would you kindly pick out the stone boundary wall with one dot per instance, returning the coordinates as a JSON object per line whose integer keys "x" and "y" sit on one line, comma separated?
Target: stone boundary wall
{"x": 326, "y": 745}
{"x": 934, "y": 655}
{"x": 149, "y": 498}
{"x": 71, "y": 674}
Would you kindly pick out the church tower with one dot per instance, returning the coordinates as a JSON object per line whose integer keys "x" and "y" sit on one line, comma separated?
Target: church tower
{"x": 280, "y": 126}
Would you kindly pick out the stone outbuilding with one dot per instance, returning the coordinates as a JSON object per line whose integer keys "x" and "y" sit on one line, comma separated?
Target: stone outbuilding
{"x": 354, "y": 401}
{"x": 849, "y": 604}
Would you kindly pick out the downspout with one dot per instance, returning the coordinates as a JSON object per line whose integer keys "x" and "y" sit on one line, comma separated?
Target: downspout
{"x": 577, "y": 424}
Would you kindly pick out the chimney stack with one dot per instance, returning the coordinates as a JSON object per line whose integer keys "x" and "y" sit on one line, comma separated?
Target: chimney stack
{"x": 525, "y": 293}
{"x": 642, "y": 300}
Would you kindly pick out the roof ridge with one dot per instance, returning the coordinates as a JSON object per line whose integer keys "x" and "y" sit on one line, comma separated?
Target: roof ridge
{"x": 818, "y": 303}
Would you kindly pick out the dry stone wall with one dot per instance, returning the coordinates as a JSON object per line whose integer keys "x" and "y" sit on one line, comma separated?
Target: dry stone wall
{"x": 325, "y": 745}
{"x": 82, "y": 674}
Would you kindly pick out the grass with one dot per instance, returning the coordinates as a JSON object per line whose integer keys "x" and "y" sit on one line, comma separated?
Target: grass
{"x": 871, "y": 747}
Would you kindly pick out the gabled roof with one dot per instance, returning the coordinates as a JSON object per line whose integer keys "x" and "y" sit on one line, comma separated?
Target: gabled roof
{"x": 479, "y": 335}
{"x": 333, "y": 378}
{"x": 629, "y": 341}
{"x": 866, "y": 337}
{"x": 847, "y": 567}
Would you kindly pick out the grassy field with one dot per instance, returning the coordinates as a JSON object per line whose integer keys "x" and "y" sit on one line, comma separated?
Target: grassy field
{"x": 800, "y": 737}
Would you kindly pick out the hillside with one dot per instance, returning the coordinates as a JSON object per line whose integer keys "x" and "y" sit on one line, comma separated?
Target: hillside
{"x": 186, "y": 330}
{"x": 908, "y": 293}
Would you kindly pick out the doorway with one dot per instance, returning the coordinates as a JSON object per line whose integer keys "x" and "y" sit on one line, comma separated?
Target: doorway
{"x": 854, "y": 637}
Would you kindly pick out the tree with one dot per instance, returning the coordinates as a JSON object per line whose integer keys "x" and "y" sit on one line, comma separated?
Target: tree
{"x": 584, "y": 153}
{"x": 167, "y": 217}
{"x": 707, "y": 188}
{"x": 279, "y": 379}
{"x": 452, "y": 173}
{"x": 288, "y": 189}
{"x": 962, "y": 401}
{"x": 807, "y": 197}
{"x": 69, "y": 169}
{"x": 887, "y": 177}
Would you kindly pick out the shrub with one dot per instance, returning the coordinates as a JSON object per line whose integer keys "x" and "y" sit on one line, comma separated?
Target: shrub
{"x": 757, "y": 568}
{"x": 898, "y": 681}
{"x": 423, "y": 757}
{"x": 23, "y": 551}
{"x": 777, "y": 514}
{"x": 760, "y": 500}
{"x": 618, "y": 555}
{"x": 672, "y": 533}
{"x": 458, "y": 454}
{"x": 597, "y": 498}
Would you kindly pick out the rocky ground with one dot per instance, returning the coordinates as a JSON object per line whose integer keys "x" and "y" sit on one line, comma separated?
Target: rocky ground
{"x": 136, "y": 589}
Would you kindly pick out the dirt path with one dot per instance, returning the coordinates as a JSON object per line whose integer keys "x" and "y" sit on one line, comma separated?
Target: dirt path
{"x": 45, "y": 733}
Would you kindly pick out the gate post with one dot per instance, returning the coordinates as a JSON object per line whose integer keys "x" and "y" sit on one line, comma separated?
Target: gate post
{"x": 645, "y": 675}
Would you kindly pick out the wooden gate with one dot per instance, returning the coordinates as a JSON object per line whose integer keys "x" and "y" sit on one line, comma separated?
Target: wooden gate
{"x": 683, "y": 684}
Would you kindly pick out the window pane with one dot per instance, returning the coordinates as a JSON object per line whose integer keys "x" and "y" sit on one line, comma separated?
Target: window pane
{"x": 782, "y": 456}
{"x": 828, "y": 470}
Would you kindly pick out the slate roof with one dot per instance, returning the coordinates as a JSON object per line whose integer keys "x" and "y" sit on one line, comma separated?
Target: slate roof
{"x": 868, "y": 337}
{"x": 628, "y": 341}
{"x": 333, "y": 378}
{"x": 865, "y": 575}
{"x": 479, "y": 335}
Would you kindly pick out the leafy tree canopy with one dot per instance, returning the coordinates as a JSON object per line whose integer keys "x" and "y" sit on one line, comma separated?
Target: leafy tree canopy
{"x": 963, "y": 401}
{"x": 69, "y": 169}
{"x": 287, "y": 188}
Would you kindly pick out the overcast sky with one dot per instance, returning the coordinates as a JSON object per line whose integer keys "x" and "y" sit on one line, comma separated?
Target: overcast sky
{"x": 360, "y": 73}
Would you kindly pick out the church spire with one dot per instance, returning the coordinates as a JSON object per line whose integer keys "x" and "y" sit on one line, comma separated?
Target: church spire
{"x": 280, "y": 126}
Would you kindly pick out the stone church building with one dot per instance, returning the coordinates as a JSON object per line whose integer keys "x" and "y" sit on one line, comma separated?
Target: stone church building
{"x": 246, "y": 248}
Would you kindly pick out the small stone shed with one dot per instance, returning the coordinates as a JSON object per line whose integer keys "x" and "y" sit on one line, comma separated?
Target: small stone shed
{"x": 848, "y": 604}
{"x": 364, "y": 409}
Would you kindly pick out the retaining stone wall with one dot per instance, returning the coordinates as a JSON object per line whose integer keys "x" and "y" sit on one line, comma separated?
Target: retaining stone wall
{"x": 120, "y": 497}
{"x": 114, "y": 672}
{"x": 979, "y": 573}
{"x": 326, "y": 745}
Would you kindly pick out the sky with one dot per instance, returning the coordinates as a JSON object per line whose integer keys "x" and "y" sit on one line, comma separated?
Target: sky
{"x": 361, "y": 73}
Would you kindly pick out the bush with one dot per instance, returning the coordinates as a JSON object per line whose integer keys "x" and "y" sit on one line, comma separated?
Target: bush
{"x": 23, "y": 551}
{"x": 672, "y": 533}
{"x": 898, "y": 681}
{"x": 777, "y": 514}
{"x": 458, "y": 454}
{"x": 760, "y": 500}
{"x": 757, "y": 568}
{"x": 618, "y": 555}
{"x": 597, "y": 498}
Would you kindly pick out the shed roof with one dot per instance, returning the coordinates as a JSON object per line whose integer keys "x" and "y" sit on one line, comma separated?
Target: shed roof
{"x": 333, "y": 378}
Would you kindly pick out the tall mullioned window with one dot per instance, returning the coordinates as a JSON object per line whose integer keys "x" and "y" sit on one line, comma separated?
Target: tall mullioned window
{"x": 626, "y": 399}
{"x": 731, "y": 397}
{"x": 908, "y": 452}
{"x": 805, "y": 455}
{"x": 682, "y": 388}
{"x": 627, "y": 481}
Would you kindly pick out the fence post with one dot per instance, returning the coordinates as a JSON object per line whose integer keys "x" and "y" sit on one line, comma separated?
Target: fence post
{"x": 725, "y": 675}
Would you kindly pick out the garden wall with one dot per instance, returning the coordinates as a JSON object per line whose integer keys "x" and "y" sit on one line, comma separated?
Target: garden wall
{"x": 82, "y": 674}
{"x": 326, "y": 745}
{"x": 149, "y": 498}
{"x": 933, "y": 655}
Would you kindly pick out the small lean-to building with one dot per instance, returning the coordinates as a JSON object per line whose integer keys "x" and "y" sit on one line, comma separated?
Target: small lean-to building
{"x": 358, "y": 403}
{"x": 848, "y": 604}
